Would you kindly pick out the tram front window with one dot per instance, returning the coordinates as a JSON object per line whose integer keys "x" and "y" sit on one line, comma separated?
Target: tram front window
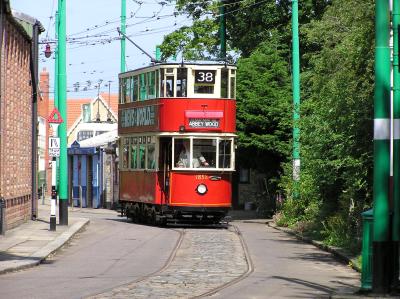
{"x": 204, "y": 153}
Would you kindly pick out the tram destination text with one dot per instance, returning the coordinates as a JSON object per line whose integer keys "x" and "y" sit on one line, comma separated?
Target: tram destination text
{"x": 203, "y": 123}
{"x": 138, "y": 117}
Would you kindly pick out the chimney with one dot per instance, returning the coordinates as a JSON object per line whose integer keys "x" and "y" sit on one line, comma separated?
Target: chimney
{"x": 43, "y": 98}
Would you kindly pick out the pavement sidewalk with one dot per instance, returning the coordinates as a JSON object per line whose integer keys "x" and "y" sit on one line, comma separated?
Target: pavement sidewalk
{"x": 32, "y": 242}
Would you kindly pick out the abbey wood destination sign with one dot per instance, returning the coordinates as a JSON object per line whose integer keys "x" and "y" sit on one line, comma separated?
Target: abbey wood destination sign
{"x": 138, "y": 117}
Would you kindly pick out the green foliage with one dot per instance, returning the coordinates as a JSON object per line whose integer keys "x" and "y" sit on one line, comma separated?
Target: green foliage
{"x": 195, "y": 42}
{"x": 263, "y": 107}
{"x": 336, "y": 124}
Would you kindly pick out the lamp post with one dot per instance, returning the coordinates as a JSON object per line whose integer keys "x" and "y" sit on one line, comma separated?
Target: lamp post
{"x": 62, "y": 130}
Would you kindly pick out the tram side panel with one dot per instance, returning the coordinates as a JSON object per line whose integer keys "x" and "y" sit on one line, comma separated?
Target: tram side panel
{"x": 138, "y": 186}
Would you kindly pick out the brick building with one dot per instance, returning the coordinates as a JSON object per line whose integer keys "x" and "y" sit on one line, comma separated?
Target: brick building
{"x": 18, "y": 95}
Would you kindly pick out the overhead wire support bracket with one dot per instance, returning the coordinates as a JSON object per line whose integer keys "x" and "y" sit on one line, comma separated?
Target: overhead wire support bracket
{"x": 137, "y": 46}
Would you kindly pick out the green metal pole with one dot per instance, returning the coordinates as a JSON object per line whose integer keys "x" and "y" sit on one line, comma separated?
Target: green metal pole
{"x": 296, "y": 99}
{"x": 381, "y": 252}
{"x": 62, "y": 131}
{"x": 123, "y": 30}
{"x": 396, "y": 128}
{"x": 56, "y": 65}
{"x": 396, "y": 142}
{"x": 222, "y": 29}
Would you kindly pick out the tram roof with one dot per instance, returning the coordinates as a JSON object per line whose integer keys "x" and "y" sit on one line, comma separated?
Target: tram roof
{"x": 182, "y": 64}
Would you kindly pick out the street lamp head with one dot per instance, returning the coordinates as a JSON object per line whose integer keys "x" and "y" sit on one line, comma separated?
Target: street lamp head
{"x": 47, "y": 51}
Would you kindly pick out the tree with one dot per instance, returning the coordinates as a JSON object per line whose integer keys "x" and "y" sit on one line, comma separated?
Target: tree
{"x": 263, "y": 108}
{"x": 336, "y": 127}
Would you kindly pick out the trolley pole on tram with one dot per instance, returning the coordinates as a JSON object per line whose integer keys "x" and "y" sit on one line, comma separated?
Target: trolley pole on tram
{"x": 222, "y": 29}
{"x": 296, "y": 98}
{"x": 62, "y": 102}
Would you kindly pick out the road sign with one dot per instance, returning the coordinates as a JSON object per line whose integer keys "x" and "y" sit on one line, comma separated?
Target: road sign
{"x": 54, "y": 146}
{"x": 55, "y": 117}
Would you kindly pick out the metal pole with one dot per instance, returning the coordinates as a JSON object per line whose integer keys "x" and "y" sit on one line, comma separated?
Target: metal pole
{"x": 296, "y": 99}
{"x": 62, "y": 91}
{"x": 123, "y": 30}
{"x": 396, "y": 143}
{"x": 222, "y": 29}
{"x": 381, "y": 244}
{"x": 53, "y": 195}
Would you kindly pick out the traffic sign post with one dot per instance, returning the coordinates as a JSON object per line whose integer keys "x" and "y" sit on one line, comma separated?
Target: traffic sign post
{"x": 54, "y": 151}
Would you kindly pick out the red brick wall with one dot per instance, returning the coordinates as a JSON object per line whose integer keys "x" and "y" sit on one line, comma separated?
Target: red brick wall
{"x": 15, "y": 126}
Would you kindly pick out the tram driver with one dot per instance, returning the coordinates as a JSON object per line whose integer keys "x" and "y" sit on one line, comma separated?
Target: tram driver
{"x": 184, "y": 157}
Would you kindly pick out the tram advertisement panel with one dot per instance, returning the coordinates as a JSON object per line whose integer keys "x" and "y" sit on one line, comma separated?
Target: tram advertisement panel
{"x": 138, "y": 118}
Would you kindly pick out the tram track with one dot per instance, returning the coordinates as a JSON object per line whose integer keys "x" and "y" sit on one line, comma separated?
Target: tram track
{"x": 171, "y": 257}
{"x": 196, "y": 268}
{"x": 250, "y": 268}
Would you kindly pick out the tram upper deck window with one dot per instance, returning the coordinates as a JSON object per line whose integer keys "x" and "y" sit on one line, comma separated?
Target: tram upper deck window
{"x": 233, "y": 84}
{"x": 204, "y": 81}
{"x": 181, "y": 82}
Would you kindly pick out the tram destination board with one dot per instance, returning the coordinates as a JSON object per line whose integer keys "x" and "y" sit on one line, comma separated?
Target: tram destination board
{"x": 203, "y": 123}
{"x": 204, "y": 76}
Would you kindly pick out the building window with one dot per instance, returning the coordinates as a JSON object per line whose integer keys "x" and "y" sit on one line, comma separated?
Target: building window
{"x": 86, "y": 113}
{"x": 83, "y": 135}
{"x": 244, "y": 175}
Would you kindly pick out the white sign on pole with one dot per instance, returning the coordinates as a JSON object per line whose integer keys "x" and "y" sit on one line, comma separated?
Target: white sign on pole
{"x": 54, "y": 146}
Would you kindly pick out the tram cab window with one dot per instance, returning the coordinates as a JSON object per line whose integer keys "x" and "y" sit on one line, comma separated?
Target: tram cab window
{"x": 225, "y": 149}
{"x": 204, "y": 153}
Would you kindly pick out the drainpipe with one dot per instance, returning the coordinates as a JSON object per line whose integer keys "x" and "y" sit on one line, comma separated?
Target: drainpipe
{"x": 1, "y": 85}
{"x": 37, "y": 29}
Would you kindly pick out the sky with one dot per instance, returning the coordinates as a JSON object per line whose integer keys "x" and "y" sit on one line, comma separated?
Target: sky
{"x": 93, "y": 47}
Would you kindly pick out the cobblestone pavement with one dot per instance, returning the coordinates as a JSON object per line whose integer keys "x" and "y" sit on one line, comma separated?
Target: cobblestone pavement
{"x": 205, "y": 260}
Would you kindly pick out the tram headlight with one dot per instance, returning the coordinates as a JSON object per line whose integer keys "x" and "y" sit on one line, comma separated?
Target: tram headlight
{"x": 201, "y": 189}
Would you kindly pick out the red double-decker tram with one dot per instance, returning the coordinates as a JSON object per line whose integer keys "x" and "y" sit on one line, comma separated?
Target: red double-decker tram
{"x": 176, "y": 132}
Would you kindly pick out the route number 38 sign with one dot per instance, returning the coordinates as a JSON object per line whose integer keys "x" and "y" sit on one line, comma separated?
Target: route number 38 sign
{"x": 205, "y": 76}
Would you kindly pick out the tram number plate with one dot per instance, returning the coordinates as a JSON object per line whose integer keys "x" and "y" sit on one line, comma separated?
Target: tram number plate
{"x": 203, "y": 123}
